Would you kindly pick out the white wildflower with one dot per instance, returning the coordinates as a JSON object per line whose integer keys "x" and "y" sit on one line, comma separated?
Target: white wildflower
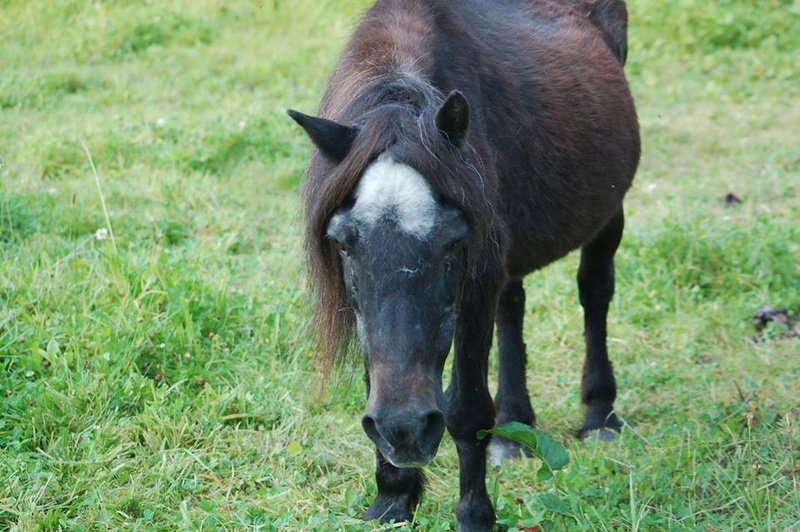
{"x": 101, "y": 234}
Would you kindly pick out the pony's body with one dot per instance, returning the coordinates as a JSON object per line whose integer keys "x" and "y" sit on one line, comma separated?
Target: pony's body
{"x": 529, "y": 160}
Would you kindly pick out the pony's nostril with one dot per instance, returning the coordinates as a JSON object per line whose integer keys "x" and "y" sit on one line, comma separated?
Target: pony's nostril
{"x": 433, "y": 425}
{"x": 370, "y": 427}
{"x": 410, "y": 434}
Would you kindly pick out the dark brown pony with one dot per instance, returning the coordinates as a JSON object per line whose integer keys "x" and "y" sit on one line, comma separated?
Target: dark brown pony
{"x": 460, "y": 145}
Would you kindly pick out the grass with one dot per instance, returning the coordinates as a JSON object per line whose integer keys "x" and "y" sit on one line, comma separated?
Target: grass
{"x": 163, "y": 380}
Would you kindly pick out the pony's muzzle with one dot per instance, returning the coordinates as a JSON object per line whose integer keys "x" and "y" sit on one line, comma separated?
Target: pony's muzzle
{"x": 406, "y": 439}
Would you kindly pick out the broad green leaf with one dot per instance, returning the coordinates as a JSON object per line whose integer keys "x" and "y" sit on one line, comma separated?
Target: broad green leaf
{"x": 555, "y": 505}
{"x": 551, "y": 451}
{"x": 541, "y": 445}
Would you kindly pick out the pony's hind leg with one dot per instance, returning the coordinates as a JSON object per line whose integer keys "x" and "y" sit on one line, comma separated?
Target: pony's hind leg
{"x": 512, "y": 402}
{"x": 399, "y": 491}
{"x": 596, "y": 288}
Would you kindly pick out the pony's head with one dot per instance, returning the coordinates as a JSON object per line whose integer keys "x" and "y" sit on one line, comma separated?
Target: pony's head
{"x": 398, "y": 243}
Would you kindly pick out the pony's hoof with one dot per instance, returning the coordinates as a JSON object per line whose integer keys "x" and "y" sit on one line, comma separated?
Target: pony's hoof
{"x": 601, "y": 424}
{"x": 502, "y": 449}
{"x": 387, "y": 510}
{"x": 602, "y": 434}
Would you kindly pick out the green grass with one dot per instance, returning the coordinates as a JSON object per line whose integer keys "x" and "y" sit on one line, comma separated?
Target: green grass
{"x": 164, "y": 380}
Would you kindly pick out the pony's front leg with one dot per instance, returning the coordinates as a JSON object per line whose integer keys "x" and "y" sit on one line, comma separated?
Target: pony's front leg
{"x": 470, "y": 409}
{"x": 399, "y": 491}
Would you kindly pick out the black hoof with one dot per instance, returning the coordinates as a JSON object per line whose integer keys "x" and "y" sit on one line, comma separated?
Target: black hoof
{"x": 388, "y": 509}
{"x": 475, "y": 515}
{"x": 601, "y": 424}
{"x": 502, "y": 449}
{"x": 602, "y": 434}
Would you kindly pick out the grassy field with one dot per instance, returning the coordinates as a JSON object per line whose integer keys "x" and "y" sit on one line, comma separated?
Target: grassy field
{"x": 154, "y": 368}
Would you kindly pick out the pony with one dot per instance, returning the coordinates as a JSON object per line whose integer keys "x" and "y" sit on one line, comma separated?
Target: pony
{"x": 459, "y": 146}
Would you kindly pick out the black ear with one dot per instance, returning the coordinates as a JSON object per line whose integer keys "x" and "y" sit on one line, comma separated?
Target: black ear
{"x": 611, "y": 16}
{"x": 333, "y": 139}
{"x": 452, "y": 118}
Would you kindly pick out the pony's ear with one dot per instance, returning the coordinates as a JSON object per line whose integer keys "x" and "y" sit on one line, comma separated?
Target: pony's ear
{"x": 611, "y": 16}
{"x": 333, "y": 139}
{"x": 452, "y": 118}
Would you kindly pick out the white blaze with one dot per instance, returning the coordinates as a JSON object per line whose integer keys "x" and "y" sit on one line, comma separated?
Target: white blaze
{"x": 394, "y": 190}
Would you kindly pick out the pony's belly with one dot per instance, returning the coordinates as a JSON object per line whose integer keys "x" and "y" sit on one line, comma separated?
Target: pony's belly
{"x": 536, "y": 240}
{"x": 521, "y": 262}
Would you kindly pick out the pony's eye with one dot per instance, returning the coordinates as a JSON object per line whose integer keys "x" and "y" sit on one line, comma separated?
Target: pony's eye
{"x": 455, "y": 246}
{"x": 451, "y": 256}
